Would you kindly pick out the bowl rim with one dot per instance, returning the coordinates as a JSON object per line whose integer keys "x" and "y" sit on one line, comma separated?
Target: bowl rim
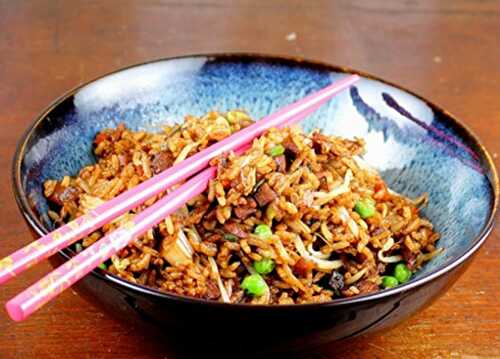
{"x": 38, "y": 227}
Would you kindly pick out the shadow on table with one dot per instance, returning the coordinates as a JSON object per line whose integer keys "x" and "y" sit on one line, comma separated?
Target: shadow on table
{"x": 248, "y": 348}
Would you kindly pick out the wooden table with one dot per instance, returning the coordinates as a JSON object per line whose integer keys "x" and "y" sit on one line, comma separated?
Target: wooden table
{"x": 444, "y": 50}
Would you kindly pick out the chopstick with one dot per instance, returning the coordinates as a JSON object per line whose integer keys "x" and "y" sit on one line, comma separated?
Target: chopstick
{"x": 31, "y": 299}
{"x": 63, "y": 277}
{"x": 69, "y": 233}
{"x": 60, "y": 279}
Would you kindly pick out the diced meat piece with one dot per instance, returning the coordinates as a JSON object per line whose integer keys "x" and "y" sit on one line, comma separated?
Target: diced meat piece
{"x": 409, "y": 257}
{"x": 62, "y": 195}
{"x": 212, "y": 290}
{"x": 367, "y": 286}
{"x": 236, "y": 229}
{"x": 290, "y": 146}
{"x": 302, "y": 267}
{"x": 321, "y": 143}
{"x": 161, "y": 161}
{"x": 381, "y": 268}
{"x": 336, "y": 281}
{"x": 265, "y": 195}
{"x": 281, "y": 163}
{"x": 200, "y": 229}
{"x": 243, "y": 211}
{"x": 212, "y": 238}
{"x": 210, "y": 215}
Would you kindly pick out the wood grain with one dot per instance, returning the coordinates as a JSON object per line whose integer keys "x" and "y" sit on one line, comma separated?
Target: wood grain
{"x": 444, "y": 50}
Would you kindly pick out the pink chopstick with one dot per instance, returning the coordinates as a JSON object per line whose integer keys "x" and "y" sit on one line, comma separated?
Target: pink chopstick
{"x": 65, "y": 235}
{"x": 31, "y": 299}
{"x": 73, "y": 270}
{"x": 60, "y": 279}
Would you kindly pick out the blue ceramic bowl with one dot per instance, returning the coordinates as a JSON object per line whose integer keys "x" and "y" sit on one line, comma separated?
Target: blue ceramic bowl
{"x": 415, "y": 145}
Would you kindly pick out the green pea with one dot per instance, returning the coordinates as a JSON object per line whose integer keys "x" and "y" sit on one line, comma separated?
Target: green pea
{"x": 402, "y": 273}
{"x": 78, "y": 247}
{"x": 230, "y": 237}
{"x": 102, "y": 266}
{"x": 277, "y": 150}
{"x": 254, "y": 285}
{"x": 264, "y": 266}
{"x": 389, "y": 281}
{"x": 365, "y": 208}
{"x": 263, "y": 231}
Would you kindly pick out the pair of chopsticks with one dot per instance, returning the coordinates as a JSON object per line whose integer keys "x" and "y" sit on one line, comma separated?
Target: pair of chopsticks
{"x": 31, "y": 299}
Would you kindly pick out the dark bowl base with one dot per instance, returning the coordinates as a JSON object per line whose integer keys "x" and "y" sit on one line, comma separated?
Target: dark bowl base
{"x": 178, "y": 325}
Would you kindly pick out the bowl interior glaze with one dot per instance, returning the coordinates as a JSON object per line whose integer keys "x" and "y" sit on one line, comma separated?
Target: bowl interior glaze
{"x": 416, "y": 146}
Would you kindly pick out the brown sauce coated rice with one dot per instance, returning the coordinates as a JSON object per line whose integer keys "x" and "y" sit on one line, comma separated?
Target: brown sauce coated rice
{"x": 307, "y": 195}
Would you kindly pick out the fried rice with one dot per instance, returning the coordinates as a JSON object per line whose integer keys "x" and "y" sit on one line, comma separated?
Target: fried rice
{"x": 305, "y": 207}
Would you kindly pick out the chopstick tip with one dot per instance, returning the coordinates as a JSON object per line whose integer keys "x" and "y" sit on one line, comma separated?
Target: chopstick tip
{"x": 14, "y": 311}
